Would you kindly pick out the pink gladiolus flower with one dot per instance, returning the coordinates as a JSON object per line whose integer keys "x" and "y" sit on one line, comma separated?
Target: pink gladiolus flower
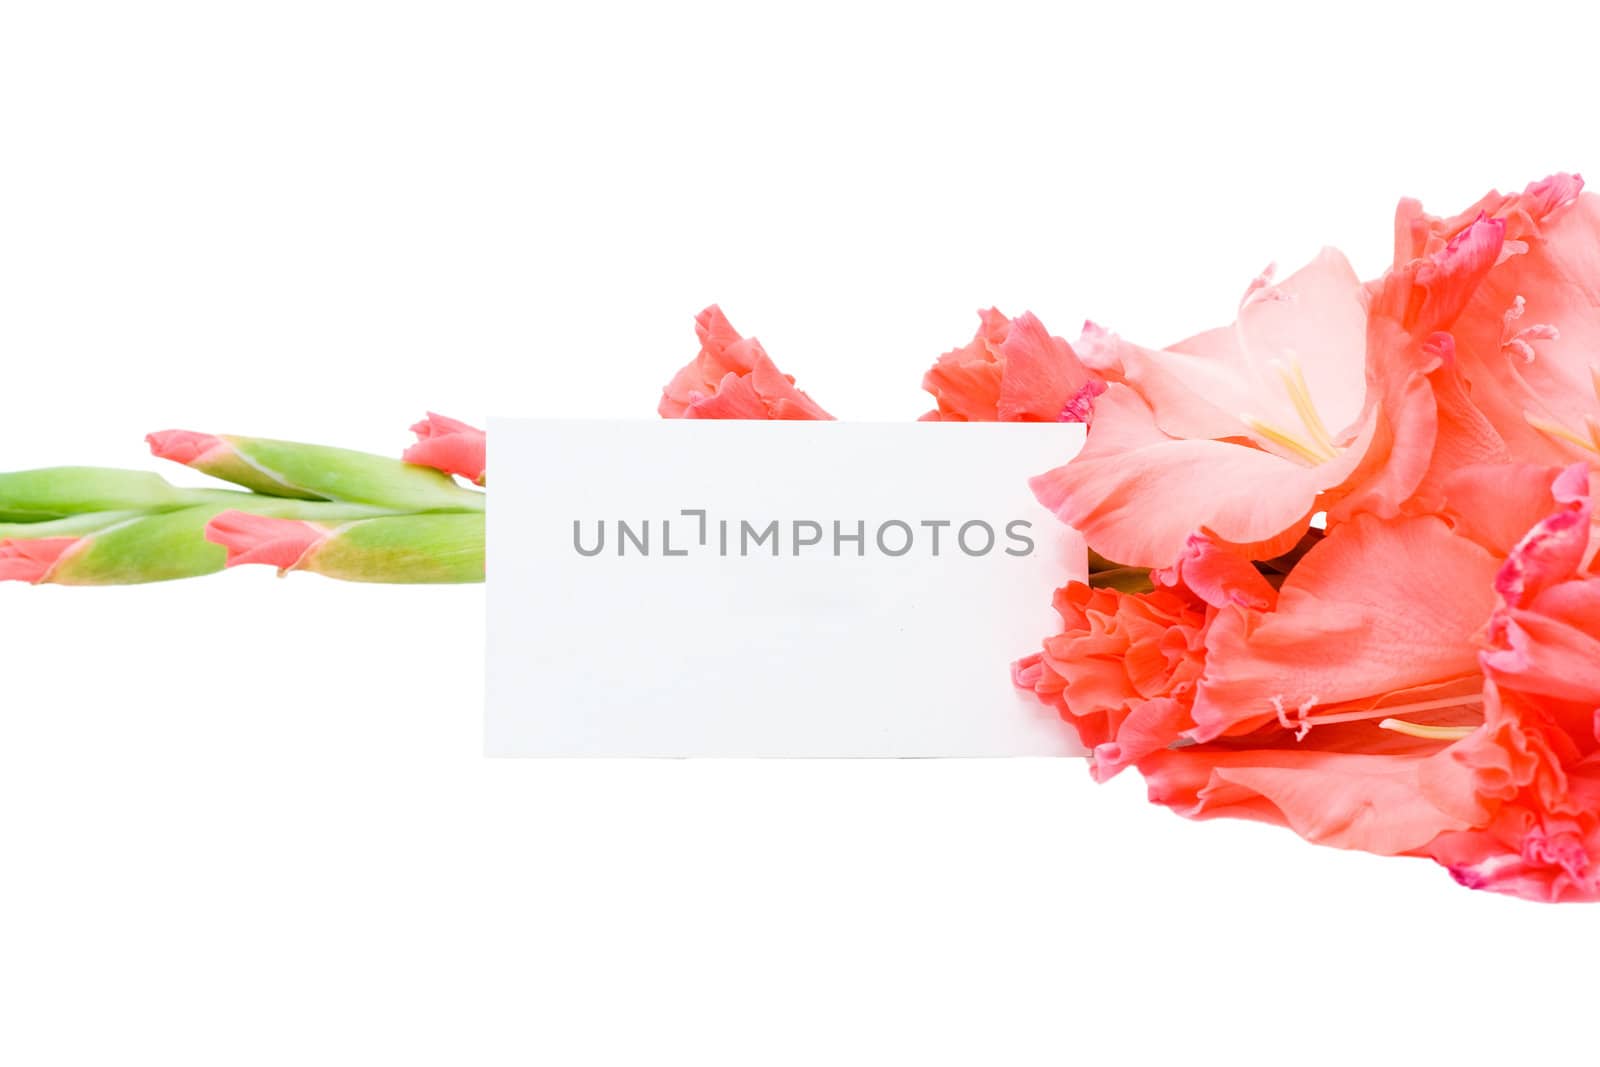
{"x": 1125, "y": 667}
{"x": 1333, "y": 713}
{"x": 451, "y": 446}
{"x": 32, "y": 559}
{"x": 1528, "y": 337}
{"x": 1121, "y": 672}
{"x": 281, "y": 543}
{"x": 1012, "y": 370}
{"x": 1541, "y": 785}
{"x": 1337, "y": 715}
{"x": 1321, "y": 396}
{"x": 1393, "y": 731}
{"x": 733, "y": 378}
{"x": 1336, "y": 637}
{"x": 1234, "y": 433}
{"x": 1538, "y": 761}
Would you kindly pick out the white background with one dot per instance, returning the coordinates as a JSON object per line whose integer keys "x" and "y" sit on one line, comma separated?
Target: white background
{"x": 246, "y": 821}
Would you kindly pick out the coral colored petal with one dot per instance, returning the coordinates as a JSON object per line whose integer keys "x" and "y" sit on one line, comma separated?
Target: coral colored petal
{"x": 1080, "y": 407}
{"x": 1137, "y": 494}
{"x": 1377, "y": 803}
{"x": 1315, "y": 320}
{"x": 436, "y": 425}
{"x": 783, "y": 400}
{"x": 722, "y": 351}
{"x": 966, "y": 381}
{"x": 1449, "y": 279}
{"x": 280, "y": 543}
{"x": 1217, "y": 575}
{"x": 1551, "y": 646}
{"x": 1150, "y": 727}
{"x": 1528, "y": 335}
{"x": 725, "y": 359}
{"x": 1464, "y": 436}
{"x": 1042, "y": 376}
{"x": 1418, "y": 234}
{"x": 1555, "y": 548}
{"x": 32, "y": 559}
{"x": 1376, "y": 606}
{"x": 1497, "y": 504}
{"x": 733, "y": 398}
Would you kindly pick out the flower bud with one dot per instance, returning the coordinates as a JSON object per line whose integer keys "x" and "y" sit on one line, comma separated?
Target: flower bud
{"x": 449, "y": 445}
{"x": 315, "y": 472}
{"x": 440, "y": 548}
{"x": 130, "y": 548}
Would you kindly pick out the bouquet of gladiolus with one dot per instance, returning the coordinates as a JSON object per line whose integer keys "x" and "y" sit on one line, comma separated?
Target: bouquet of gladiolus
{"x": 1342, "y": 563}
{"x": 1342, "y": 571}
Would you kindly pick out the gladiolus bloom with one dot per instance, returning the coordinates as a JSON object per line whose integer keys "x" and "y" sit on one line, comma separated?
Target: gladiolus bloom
{"x": 1012, "y": 370}
{"x": 733, "y": 378}
{"x": 1125, "y": 669}
{"x": 1234, "y": 433}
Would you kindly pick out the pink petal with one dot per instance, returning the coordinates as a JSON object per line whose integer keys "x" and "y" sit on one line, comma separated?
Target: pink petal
{"x": 280, "y": 543}
{"x": 1376, "y": 606}
{"x": 32, "y": 559}
{"x": 187, "y": 447}
{"x": 1528, "y": 335}
{"x": 1219, "y": 576}
{"x": 1388, "y": 804}
{"x": 449, "y": 445}
{"x": 758, "y": 390}
{"x": 722, "y": 352}
{"x": 1497, "y": 504}
{"x": 966, "y": 381}
{"x": 1137, "y": 494}
{"x": 1043, "y": 377}
{"x": 1556, "y": 546}
{"x": 1316, "y": 319}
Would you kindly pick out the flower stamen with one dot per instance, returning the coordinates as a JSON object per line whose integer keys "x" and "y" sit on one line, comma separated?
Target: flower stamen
{"x": 1427, "y": 733}
{"x": 1550, "y": 428}
{"x": 1316, "y": 445}
{"x": 1303, "y": 723}
{"x": 1294, "y": 383}
{"x": 1306, "y": 450}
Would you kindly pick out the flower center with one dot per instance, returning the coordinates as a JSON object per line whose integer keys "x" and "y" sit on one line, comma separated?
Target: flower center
{"x": 1301, "y": 720}
{"x": 1311, "y": 442}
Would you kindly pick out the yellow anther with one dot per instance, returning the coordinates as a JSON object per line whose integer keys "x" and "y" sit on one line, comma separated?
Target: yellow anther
{"x": 1307, "y": 450}
{"x": 1315, "y": 445}
{"x": 1427, "y": 733}
{"x": 1591, "y": 443}
{"x": 1294, "y": 383}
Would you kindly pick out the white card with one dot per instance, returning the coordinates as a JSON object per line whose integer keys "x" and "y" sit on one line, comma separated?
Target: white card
{"x": 698, "y": 588}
